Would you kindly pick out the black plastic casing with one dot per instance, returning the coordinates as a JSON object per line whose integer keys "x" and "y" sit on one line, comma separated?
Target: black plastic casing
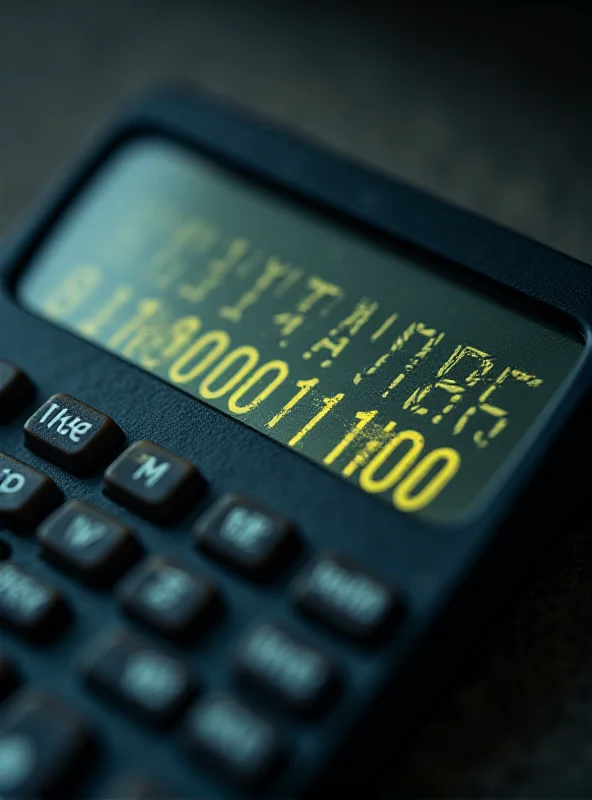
{"x": 461, "y": 570}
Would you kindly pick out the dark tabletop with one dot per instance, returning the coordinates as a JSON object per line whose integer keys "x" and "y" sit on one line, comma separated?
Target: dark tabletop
{"x": 485, "y": 106}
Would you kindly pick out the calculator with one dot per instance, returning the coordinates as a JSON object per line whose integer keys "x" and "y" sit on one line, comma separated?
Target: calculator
{"x": 275, "y": 432}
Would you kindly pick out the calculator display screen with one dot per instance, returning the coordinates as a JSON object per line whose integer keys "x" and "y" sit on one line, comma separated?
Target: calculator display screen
{"x": 379, "y": 367}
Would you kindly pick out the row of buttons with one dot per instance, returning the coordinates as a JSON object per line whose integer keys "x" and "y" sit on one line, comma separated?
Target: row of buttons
{"x": 174, "y": 601}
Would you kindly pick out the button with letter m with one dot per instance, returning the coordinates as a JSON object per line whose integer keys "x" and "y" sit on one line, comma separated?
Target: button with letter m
{"x": 153, "y": 481}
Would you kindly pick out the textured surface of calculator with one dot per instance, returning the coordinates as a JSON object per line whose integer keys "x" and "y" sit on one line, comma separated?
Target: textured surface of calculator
{"x": 261, "y": 414}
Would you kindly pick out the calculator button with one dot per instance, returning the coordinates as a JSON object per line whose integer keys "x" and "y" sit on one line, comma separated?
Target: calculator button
{"x": 92, "y": 545}
{"x": 26, "y": 495}
{"x": 135, "y": 787}
{"x": 148, "y": 683}
{"x": 8, "y": 677}
{"x": 153, "y": 481}
{"x": 346, "y": 598}
{"x": 71, "y": 434}
{"x": 272, "y": 660}
{"x": 28, "y": 605}
{"x": 42, "y": 742}
{"x": 170, "y": 599}
{"x": 246, "y": 536}
{"x": 15, "y": 390}
{"x": 241, "y": 745}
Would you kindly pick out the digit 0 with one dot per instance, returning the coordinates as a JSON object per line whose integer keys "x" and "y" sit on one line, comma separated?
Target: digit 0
{"x": 248, "y": 354}
{"x": 214, "y": 342}
{"x": 368, "y": 480}
{"x": 281, "y": 373}
{"x": 406, "y": 497}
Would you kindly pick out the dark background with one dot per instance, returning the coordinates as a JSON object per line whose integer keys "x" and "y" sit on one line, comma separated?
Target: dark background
{"x": 487, "y": 105}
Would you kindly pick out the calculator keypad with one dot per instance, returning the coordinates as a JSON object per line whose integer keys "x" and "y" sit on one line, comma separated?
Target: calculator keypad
{"x": 96, "y": 547}
{"x": 72, "y": 434}
{"x": 153, "y": 481}
{"x": 170, "y": 596}
{"x": 26, "y": 495}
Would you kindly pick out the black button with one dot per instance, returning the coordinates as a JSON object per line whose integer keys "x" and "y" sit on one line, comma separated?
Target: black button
{"x": 90, "y": 544}
{"x": 241, "y": 745}
{"x": 26, "y": 495}
{"x": 150, "y": 684}
{"x": 71, "y": 434}
{"x": 272, "y": 660}
{"x": 42, "y": 744}
{"x": 346, "y": 598}
{"x": 15, "y": 390}
{"x": 246, "y": 536}
{"x": 131, "y": 786}
{"x": 28, "y": 605}
{"x": 8, "y": 677}
{"x": 168, "y": 598}
{"x": 153, "y": 481}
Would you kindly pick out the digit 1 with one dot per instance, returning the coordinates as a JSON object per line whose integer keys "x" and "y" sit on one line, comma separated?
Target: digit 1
{"x": 362, "y": 457}
{"x": 364, "y": 417}
{"x": 328, "y": 403}
{"x": 305, "y": 387}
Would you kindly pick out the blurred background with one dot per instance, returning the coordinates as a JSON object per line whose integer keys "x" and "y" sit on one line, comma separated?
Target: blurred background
{"x": 484, "y": 104}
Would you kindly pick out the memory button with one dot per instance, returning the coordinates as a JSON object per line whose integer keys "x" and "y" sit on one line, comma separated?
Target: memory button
{"x": 346, "y": 598}
{"x": 71, "y": 434}
{"x": 153, "y": 481}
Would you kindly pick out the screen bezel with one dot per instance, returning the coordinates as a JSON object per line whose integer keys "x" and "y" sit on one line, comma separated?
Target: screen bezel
{"x": 395, "y": 215}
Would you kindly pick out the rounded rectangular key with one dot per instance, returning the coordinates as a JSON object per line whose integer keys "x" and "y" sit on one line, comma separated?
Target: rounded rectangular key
{"x": 246, "y": 536}
{"x": 272, "y": 660}
{"x": 147, "y": 682}
{"x": 30, "y": 606}
{"x": 153, "y": 481}
{"x": 42, "y": 745}
{"x": 26, "y": 495}
{"x": 135, "y": 786}
{"x": 241, "y": 745}
{"x": 346, "y": 598}
{"x": 71, "y": 434}
{"x": 15, "y": 390}
{"x": 93, "y": 546}
{"x": 168, "y": 598}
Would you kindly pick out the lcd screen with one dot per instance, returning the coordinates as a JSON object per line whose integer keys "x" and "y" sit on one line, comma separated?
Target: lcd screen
{"x": 383, "y": 368}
